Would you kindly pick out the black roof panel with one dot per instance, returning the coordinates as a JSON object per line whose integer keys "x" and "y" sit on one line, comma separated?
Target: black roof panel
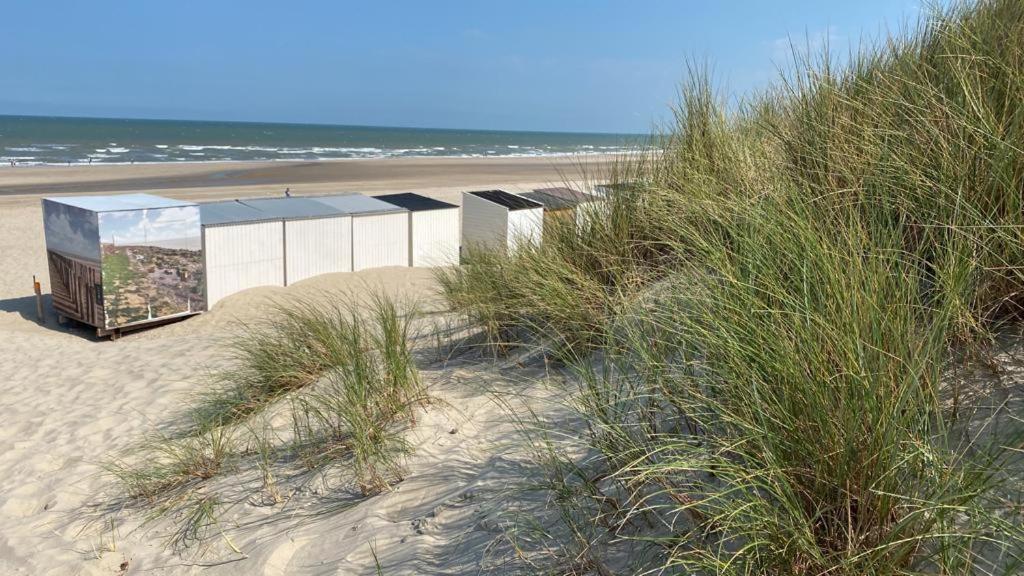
{"x": 414, "y": 202}
{"x": 550, "y": 202}
{"x": 510, "y": 201}
{"x": 569, "y": 194}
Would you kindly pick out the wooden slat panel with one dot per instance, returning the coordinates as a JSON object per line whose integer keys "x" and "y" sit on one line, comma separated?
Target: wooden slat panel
{"x": 75, "y": 286}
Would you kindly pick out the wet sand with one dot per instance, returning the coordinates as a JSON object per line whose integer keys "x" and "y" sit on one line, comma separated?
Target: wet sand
{"x": 196, "y": 181}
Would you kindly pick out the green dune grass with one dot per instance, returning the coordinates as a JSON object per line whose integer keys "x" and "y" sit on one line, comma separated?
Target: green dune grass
{"x": 768, "y": 323}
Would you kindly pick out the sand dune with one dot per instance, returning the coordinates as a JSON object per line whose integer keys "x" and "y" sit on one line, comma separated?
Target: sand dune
{"x": 70, "y": 401}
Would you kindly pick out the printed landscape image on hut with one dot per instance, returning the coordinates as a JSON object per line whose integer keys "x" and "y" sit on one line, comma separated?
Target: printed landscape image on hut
{"x": 118, "y": 261}
{"x": 151, "y": 265}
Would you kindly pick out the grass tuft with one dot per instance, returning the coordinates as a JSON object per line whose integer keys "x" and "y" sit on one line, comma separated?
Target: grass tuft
{"x": 345, "y": 374}
{"x": 763, "y": 323}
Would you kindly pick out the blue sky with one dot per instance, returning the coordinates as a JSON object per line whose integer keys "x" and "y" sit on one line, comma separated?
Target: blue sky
{"x": 573, "y": 65}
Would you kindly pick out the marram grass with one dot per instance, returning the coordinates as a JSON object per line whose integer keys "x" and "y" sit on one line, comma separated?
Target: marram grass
{"x": 346, "y": 377}
{"x": 764, "y": 323}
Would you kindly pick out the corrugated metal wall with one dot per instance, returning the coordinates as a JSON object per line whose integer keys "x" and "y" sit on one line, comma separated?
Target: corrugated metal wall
{"x": 525, "y": 226}
{"x": 380, "y": 240}
{"x": 484, "y": 223}
{"x": 241, "y": 256}
{"x": 435, "y": 237}
{"x": 318, "y": 246}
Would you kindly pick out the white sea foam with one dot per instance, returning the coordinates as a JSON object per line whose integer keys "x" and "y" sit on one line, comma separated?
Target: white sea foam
{"x": 345, "y": 150}
{"x": 223, "y": 147}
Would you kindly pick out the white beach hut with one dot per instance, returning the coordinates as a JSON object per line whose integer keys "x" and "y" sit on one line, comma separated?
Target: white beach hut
{"x": 317, "y": 237}
{"x": 243, "y": 247}
{"x": 499, "y": 220}
{"x": 380, "y": 231}
{"x": 433, "y": 229}
{"x": 565, "y": 204}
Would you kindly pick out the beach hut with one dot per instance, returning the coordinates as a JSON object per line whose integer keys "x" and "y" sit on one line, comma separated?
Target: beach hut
{"x": 500, "y": 220}
{"x": 380, "y": 230}
{"x": 562, "y": 203}
{"x": 317, "y": 237}
{"x": 433, "y": 229}
{"x": 608, "y": 188}
{"x": 242, "y": 248}
{"x": 123, "y": 261}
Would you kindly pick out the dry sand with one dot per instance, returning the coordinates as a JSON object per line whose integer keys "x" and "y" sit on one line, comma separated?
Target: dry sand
{"x": 70, "y": 401}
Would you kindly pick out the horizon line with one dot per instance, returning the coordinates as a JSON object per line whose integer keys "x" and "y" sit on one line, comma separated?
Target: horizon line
{"x": 333, "y": 125}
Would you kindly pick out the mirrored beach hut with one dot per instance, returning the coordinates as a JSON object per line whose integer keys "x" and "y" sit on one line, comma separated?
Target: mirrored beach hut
{"x": 123, "y": 261}
{"x": 433, "y": 229}
{"x": 499, "y": 220}
{"x": 380, "y": 230}
{"x": 317, "y": 237}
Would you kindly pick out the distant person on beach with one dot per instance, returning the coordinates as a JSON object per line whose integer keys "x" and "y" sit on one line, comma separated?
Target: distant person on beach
{"x": 287, "y": 192}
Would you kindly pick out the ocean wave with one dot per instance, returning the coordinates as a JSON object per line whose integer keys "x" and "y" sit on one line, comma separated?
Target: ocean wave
{"x": 195, "y": 153}
{"x": 345, "y": 150}
{"x": 197, "y": 147}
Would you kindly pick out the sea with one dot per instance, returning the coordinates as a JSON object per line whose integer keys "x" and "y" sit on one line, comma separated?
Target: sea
{"x": 40, "y": 140}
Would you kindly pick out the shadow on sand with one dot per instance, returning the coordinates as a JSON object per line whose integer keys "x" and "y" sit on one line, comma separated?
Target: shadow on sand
{"x": 25, "y": 306}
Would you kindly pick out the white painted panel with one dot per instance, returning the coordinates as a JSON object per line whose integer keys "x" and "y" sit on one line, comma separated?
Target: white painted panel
{"x": 317, "y": 246}
{"x": 435, "y": 237}
{"x": 380, "y": 240}
{"x": 242, "y": 256}
{"x": 525, "y": 227}
{"x": 484, "y": 223}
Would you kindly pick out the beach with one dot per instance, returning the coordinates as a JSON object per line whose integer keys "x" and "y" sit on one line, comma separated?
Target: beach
{"x": 71, "y": 401}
